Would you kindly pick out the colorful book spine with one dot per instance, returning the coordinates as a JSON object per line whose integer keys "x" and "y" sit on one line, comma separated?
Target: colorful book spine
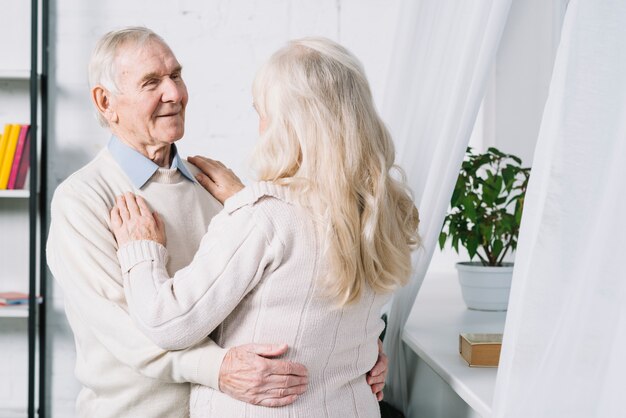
{"x": 19, "y": 158}
{"x": 22, "y": 170}
{"x": 7, "y": 159}
{"x": 4, "y": 140}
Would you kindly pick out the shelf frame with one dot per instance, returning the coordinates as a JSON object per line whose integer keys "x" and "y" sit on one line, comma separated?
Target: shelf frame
{"x": 38, "y": 92}
{"x": 42, "y": 80}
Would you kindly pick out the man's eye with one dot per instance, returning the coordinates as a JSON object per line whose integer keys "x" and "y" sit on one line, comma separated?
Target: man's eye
{"x": 175, "y": 76}
{"x": 151, "y": 82}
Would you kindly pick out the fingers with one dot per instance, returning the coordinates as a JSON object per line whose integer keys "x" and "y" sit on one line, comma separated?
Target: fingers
{"x": 378, "y": 388}
{"x": 116, "y": 219}
{"x": 279, "y": 367}
{"x": 206, "y": 165}
{"x": 268, "y": 350}
{"x": 282, "y": 381}
{"x": 380, "y": 368}
{"x": 287, "y": 391}
{"x": 375, "y": 380}
{"x": 120, "y": 201}
{"x": 117, "y": 222}
{"x": 276, "y": 402}
{"x": 143, "y": 206}
{"x": 131, "y": 203}
{"x": 376, "y": 377}
{"x": 206, "y": 182}
{"x": 246, "y": 374}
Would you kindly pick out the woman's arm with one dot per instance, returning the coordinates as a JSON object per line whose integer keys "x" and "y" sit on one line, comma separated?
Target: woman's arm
{"x": 177, "y": 312}
{"x": 81, "y": 253}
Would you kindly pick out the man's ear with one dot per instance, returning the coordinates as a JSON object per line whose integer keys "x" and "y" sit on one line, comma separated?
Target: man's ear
{"x": 102, "y": 99}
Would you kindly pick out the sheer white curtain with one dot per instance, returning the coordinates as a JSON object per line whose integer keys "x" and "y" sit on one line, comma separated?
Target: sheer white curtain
{"x": 565, "y": 336}
{"x": 437, "y": 78}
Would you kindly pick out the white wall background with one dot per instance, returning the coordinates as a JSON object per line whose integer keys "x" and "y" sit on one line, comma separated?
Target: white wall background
{"x": 221, "y": 44}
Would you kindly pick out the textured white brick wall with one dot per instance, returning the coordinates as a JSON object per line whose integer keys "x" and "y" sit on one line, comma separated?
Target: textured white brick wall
{"x": 220, "y": 44}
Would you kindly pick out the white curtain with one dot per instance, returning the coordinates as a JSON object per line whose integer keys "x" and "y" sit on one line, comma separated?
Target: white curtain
{"x": 565, "y": 335}
{"x": 438, "y": 73}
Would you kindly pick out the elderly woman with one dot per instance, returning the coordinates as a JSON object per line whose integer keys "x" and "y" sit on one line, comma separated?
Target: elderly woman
{"x": 308, "y": 255}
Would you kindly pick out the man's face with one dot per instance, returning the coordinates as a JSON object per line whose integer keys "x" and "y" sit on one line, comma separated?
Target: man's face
{"x": 150, "y": 105}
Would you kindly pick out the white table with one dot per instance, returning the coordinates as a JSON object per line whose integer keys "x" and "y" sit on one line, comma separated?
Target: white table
{"x": 447, "y": 387}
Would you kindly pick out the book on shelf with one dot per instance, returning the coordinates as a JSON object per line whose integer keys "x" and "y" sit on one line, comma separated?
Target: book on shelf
{"x": 15, "y": 298}
{"x": 480, "y": 350}
{"x": 9, "y": 153}
{"x": 14, "y": 156}
{"x": 4, "y": 140}
{"x": 21, "y": 161}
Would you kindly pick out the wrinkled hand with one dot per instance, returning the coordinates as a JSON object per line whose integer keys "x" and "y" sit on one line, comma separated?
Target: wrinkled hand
{"x": 132, "y": 220}
{"x": 216, "y": 178}
{"x": 250, "y": 375}
{"x": 376, "y": 377}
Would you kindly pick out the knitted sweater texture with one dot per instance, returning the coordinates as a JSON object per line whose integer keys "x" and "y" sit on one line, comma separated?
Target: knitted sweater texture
{"x": 256, "y": 278}
{"x": 123, "y": 373}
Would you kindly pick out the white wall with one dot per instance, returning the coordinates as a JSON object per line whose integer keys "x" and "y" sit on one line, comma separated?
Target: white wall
{"x": 220, "y": 45}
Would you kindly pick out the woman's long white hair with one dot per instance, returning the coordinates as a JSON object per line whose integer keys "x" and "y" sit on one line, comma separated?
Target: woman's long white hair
{"x": 325, "y": 141}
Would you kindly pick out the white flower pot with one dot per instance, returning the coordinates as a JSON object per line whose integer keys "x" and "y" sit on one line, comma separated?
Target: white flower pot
{"x": 485, "y": 288}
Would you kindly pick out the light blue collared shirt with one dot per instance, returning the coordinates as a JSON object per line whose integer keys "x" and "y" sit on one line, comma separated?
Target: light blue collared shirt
{"x": 139, "y": 168}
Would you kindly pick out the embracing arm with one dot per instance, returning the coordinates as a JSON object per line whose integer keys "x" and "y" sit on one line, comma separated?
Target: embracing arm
{"x": 82, "y": 257}
{"x": 222, "y": 183}
{"x": 177, "y": 312}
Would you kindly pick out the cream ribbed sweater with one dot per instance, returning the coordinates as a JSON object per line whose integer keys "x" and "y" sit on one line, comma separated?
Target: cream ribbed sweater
{"x": 256, "y": 274}
{"x": 122, "y": 372}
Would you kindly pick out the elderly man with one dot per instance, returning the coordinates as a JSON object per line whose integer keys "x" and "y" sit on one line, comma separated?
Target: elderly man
{"x": 140, "y": 96}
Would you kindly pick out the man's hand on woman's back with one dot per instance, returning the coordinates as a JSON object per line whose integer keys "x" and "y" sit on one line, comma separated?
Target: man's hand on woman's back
{"x": 250, "y": 374}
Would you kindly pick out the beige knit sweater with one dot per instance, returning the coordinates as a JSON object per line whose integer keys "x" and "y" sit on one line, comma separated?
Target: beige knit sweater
{"x": 123, "y": 373}
{"x": 255, "y": 279}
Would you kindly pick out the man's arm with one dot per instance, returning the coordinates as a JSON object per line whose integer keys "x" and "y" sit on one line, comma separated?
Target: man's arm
{"x": 82, "y": 257}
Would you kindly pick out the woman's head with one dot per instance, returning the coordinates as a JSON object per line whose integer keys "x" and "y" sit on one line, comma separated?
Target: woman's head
{"x": 321, "y": 135}
{"x": 316, "y": 105}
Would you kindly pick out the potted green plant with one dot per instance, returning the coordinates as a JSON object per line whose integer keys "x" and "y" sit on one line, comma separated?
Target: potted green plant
{"x": 484, "y": 217}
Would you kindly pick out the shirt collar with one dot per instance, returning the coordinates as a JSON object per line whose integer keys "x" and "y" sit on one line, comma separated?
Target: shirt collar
{"x": 139, "y": 168}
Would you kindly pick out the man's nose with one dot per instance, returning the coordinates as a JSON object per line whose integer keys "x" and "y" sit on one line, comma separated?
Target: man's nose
{"x": 173, "y": 90}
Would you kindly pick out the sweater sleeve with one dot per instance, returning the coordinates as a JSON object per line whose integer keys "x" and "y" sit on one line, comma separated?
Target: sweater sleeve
{"x": 238, "y": 250}
{"x": 81, "y": 253}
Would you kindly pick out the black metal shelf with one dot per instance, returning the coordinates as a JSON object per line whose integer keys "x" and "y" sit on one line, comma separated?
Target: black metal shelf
{"x": 37, "y": 210}
{"x": 34, "y": 194}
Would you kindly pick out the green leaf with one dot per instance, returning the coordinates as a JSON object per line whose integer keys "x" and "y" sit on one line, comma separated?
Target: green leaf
{"x": 470, "y": 209}
{"x": 472, "y": 245}
{"x": 497, "y": 248}
{"x": 486, "y": 232}
{"x": 481, "y": 216}
{"x": 442, "y": 240}
{"x": 455, "y": 243}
